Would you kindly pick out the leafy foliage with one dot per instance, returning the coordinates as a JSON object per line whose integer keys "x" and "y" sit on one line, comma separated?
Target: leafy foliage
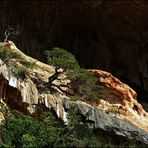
{"x": 47, "y": 131}
{"x": 6, "y": 55}
{"x": 28, "y": 140}
{"x": 24, "y": 131}
{"x": 28, "y": 64}
{"x": 22, "y": 72}
{"x": 60, "y": 58}
{"x": 73, "y": 98}
{"x": 83, "y": 82}
{"x": 86, "y": 84}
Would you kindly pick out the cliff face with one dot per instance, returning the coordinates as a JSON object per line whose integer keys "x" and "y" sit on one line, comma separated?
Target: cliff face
{"x": 118, "y": 113}
{"x": 111, "y": 37}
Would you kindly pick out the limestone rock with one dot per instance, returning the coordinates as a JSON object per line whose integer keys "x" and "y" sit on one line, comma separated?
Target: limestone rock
{"x": 26, "y": 94}
{"x": 121, "y": 100}
{"x": 119, "y": 112}
{"x": 1, "y": 117}
{"x": 102, "y": 120}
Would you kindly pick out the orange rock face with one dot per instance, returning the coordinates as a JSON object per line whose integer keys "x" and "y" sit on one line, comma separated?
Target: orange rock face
{"x": 121, "y": 100}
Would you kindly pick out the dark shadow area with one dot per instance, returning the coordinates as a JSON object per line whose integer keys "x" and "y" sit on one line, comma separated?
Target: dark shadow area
{"x": 101, "y": 34}
{"x": 110, "y": 137}
{"x": 14, "y": 100}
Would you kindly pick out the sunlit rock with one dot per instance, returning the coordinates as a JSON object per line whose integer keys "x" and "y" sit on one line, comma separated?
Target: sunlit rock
{"x": 119, "y": 112}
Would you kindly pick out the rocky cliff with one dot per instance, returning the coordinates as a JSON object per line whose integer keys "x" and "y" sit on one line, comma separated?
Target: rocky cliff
{"x": 111, "y": 34}
{"x": 119, "y": 113}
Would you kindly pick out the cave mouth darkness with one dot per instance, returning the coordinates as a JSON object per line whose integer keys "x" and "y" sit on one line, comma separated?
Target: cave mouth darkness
{"x": 93, "y": 49}
{"x": 101, "y": 34}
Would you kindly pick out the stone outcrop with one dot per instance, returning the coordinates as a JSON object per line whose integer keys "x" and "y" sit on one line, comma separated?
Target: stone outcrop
{"x": 26, "y": 95}
{"x": 119, "y": 112}
{"x": 121, "y": 100}
{"x": 112, "y": 38}
{"x": 98, "y": 119}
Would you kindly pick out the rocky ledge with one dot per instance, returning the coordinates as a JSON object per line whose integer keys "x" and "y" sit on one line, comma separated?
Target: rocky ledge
{"x": 119, "y": 113}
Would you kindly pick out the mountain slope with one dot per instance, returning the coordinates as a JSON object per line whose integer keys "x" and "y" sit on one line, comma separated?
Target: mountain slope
{"x": 119, "y": 113}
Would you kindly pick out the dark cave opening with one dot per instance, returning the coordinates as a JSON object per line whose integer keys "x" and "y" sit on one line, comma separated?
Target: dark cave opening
{"x": 96, "y": 49}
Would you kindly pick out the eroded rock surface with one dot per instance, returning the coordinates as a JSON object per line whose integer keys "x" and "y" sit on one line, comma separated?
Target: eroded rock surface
{"x": 119, "y": 112}
{"x": 26, "y": 94}
{"x": 106, "y": 122}
{"x": 121, "y": 100}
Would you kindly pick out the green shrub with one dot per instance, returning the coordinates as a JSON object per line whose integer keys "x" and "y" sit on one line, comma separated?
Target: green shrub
{"x": 6, "y": 55}
{"x": 28, "y": 141}
{"x": 73, "y": 98}
{"x": 46, "y": 131}
{"x": 20, "y": 130}
{"x": 83, "y": 82}
{"x": 86, "y": 84}
{"x": 60, "y": 58}
{"x": 20, "y": 72}
{"x": 28, "y": 64}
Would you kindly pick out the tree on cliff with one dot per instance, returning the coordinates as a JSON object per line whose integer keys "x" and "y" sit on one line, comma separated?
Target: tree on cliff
{"x": 61, "y": 60}
{"x": 84, "y": 83}
{"x": 9, "y": 31}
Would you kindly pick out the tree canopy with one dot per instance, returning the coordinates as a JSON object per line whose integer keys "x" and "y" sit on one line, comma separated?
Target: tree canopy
{"x": 60, "y": 58}
{"x": 84, "y": 83}
{"x": 47, "y": 131}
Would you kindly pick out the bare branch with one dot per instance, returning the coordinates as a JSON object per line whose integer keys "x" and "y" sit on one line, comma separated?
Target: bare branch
{"x": 10, "y": 31}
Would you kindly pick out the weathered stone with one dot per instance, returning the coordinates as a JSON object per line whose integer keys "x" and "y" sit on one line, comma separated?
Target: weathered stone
{"x": 24, "y": 94}
{"x": 121, "y": 100}
{"x": 119, "y": 112}
{"x": 2, "y": 111}
{"x": 106, "y": 122}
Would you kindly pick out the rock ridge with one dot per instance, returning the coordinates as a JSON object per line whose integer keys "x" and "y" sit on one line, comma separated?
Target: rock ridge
{"x": 119, "y": 112}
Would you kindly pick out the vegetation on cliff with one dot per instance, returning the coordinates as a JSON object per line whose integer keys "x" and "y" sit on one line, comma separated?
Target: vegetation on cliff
{"x": 19, "y": 130}
{"x": 24, "y": 131}
{"x": 20, "y": 72}
{"x": 61, "y": 58}
{"x": 84, "y": 83}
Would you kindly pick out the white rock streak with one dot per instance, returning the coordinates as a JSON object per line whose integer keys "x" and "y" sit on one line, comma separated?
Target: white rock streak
{"x": 65, "y": 116}
{"x": 57, "y": 109}
{"x": 13, "y": 81}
